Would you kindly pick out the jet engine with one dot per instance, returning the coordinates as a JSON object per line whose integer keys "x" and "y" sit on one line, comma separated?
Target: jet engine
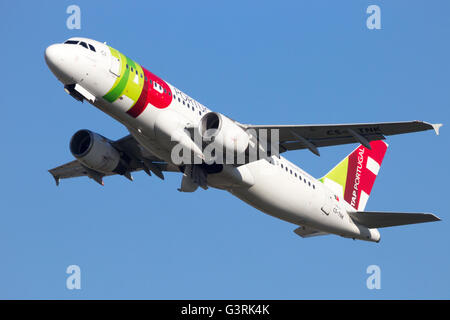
{"x": 224, "y": 132}
{"x": 94, "y": 151}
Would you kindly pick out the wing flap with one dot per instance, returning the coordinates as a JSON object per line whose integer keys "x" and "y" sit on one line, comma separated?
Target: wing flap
{"x": 326, "y": 142}
{"x": 372, "y": 219}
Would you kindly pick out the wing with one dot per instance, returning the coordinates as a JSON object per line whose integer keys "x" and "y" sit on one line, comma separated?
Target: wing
{"x": 295, "y": 137}
{"x": 138, "y": 159}
{"x": 390, "y": 219}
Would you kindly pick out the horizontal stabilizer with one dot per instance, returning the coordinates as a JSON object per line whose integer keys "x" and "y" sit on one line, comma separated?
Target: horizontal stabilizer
{"x": 389, "y": 219}
{"x": 306, "y": 232}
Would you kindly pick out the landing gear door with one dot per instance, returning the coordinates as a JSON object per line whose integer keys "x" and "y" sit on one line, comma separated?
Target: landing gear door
{"x": 115, "y": 66}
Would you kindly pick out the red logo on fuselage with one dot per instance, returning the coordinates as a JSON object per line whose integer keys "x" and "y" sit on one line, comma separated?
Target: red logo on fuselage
{"x": 155, "y": 91}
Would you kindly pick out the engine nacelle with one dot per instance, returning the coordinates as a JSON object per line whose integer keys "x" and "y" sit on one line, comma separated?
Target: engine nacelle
{"x": 94, "y": 151}
{"x": 224, "y": 132}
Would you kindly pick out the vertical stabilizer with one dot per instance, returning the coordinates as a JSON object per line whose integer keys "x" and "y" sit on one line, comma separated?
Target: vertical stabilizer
{"x": 353, "y": 178}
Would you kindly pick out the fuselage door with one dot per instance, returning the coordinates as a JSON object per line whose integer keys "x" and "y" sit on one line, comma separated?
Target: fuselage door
{"x": 115, "y": 66}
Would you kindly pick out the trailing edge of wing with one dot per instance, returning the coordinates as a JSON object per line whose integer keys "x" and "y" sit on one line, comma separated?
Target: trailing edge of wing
{"x": 389, "y": 219}
{"x": 295, "y": 137}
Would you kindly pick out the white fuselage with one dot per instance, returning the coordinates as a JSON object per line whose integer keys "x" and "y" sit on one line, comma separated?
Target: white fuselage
{"x": 273, "y": 184}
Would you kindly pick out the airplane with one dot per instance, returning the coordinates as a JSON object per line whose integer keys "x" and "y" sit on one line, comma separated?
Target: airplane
{"x": 161, "y": 118}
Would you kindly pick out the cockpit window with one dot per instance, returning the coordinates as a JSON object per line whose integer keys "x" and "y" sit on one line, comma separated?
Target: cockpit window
{"x": 82, "y": 43}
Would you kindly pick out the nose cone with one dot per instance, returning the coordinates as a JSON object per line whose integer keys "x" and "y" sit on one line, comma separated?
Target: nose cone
{"x": 56, "y": 56}
{"x": 50, "y": 53}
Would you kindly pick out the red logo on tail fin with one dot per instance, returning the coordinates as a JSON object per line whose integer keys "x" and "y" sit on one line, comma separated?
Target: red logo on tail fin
{"x": 363, "y": 166}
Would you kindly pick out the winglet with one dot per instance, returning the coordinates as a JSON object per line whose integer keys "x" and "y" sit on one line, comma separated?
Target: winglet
{"x": 436, "y": 127}
{"x": 54, "y": 177}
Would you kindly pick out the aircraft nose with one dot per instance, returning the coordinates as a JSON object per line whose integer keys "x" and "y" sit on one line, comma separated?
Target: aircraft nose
{"x": 51, "y": 55}
{"x": 55, "y": 56}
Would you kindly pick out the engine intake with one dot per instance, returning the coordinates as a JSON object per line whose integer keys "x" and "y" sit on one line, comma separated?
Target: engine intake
{"x": 224, "y": 132}
{"x": 94, "y": 151}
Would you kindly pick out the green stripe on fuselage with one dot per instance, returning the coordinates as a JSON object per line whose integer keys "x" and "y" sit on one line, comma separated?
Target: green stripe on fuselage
{"x": 116, "y": 54}
{"x": 133, "y": 89}
{"x": 125, "y": 84}
{"x": 120, "y": 85}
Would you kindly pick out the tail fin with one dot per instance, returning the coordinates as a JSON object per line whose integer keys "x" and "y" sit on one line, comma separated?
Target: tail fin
{"x": 353, "y": 178}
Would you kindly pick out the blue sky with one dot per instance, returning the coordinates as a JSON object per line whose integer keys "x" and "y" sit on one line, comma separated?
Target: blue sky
{"x": 261, "y": 62}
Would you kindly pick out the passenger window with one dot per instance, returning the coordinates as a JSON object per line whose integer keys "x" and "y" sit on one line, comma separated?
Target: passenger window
{"x": 84, "y": 44}
{"x": 91, "y": 47}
